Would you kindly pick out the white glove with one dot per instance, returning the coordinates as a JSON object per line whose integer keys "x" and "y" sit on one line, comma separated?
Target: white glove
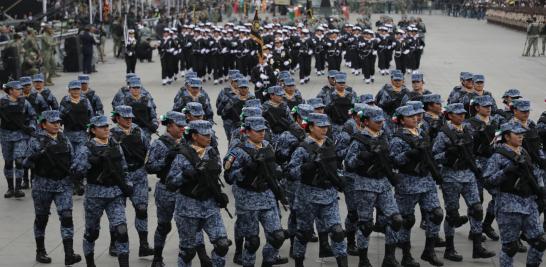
{"x": 245, "y": 51}
{"x": 421, "y": 47}
{"x": 252, "y": 53}
{"x": 374, "y": 52}
{"x": 286, "y": 63}
{"x": 170, "y": 50}
{"x": 309, "y": 52}
{"x": 406, "y": 52}
{"x": 224, "y": 50}
{"x": 259, "y": 84}
{"x": 175, "y": 53}
{"x": 203, "y": 51}
{"x": 188, "y": 44}
{"x": 130, "y": 53}
{"x": 263, "y": 76}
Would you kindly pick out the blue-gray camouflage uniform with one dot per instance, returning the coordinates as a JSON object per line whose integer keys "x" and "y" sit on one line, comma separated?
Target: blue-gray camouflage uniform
{"x": 184, "y": 97}
{"x": 46, "y": 92}
{"x": 125, "y": 91}
{"x": 91, "y": 95}
{"x": 144, "y": 111}
{"x": 75, "y": 119}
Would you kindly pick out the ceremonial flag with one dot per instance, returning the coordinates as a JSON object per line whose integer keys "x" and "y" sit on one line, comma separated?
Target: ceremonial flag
{"x": 255, "y": 33}
{"x": 309, "y": 9}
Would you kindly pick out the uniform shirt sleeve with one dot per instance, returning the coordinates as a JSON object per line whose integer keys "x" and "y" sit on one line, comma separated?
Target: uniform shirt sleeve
{"x": 296, "y": 161}
{"x": 398, "y": 149}
{"x": 441, "y": 142}
{"x": 31, "y": 115}
{"x": 81, "y": 164}
{"x": 494, "y": 169}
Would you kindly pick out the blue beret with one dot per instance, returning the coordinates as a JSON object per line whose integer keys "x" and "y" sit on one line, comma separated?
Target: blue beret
{"x": 483, "y": 101}
{"x": 417, "y": 77}
{"x": 13, "y": 85}
{"x": 341, "y": 77}
{"x": 467, "y": 76}
{"x": 251, "y": 112}
{"x": 319, "y": 119}
{"x": 303, "y": 110}
{"x": 242, "y": 82}
{"x": 407, "y": 111}
{"x": 201, "y": 126}
{"x": 357, "y": 107}
{"x": 511, "y": 93}
{"x": 177, "y": 117}
{"x": 417, "y": 105}
{"x": 124, "y": 111}
{"x": 397, "y": 76}
{"x": 478, "y": 78}
{"x": 289, "y": 81}
{"x": 373, "y": 113}
{"x": 462, "y": 74}
{"x": 195, "y": 83}
{"x": 128, "y": 76}
{"x": 332, "y": 73}
{"x": 135, "y": 83}
{"x": 255, "y": 123}
{"x": 366, "y": 98}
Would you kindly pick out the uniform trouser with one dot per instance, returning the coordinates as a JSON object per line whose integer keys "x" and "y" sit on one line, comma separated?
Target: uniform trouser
{"x": 308, "y": 212}
{"x": 139, "y": 198}
{"x": 164, "y": 67}
{"x": 428, "y": 201}
{"x": 189, "y": 228}
{"x": 42, "y": 205}
{"x": 188, "y": 58}
{"x": 511, "y": 225}
{"x": 543, "y": 44}
{"x": 491, "y": 204}
{"x": 117, "y": 46}
{"x": 87, "y": 62}
{"x": 229, "y": 63}
{"x": 115, "y": 211}
{"x": 531, "y": 42}
{"x": 469, "y": 191}
{"x": 410, "y": 61}
{"x": 334, "y": 62}
{"x": 295, "y": 60}
{"x": 368, "y": 66}
{"x": 248, "y": 225}
{"x": 384, "y": 59}
{"x": 351, "y": 201}
{"x": 400, "y": 63}
{"x": 165, "y": 202}
{"x": 384, "y": 203}
{"x": 200, "y": 66}
{"x": 305, "y": 66}
{"x": 356, "y": 63}
{"x": 217, "y": 65}
{"x": 173, "y": 65}
{"x": 130, "y": 62}
{"x": 14, "y": 154}
{"x": 176, "y": 62}
{"x": 320, "y": 61}
{"x": 228, "y": 128}
{"x": 417, "y": 59}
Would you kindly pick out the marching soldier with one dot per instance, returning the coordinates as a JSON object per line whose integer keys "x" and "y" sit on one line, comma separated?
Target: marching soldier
{"x": 400, "y": 50}
{"x": 194, "y": 92}
{"x": 416, "y": 45}
{"x": 262, "y": 76}
{"x": 50, "y": 156}
{"x": 76, "y": 111}
{"x": 306, "y": 50}
{"x": 91, "y": 95}
{"x": 338, "y": 103}
{"x": 460, "y": 91}
{"x": 479, "y": 81}
{"x": 130, "y": 52}
{"x": 233, "y": 108}
{"x": 166, "y": 50}
{"x": 433, "y": 118}
{"x": 507, "y": 98}
{"x": 367, "y": 52}
{"x": 292, "y": 96}
{"x": 143, "y": 109}
{"x": 385, "y": 47}
{"x": 417, "y": 84}
{"x": 276, "y": 112}
{"x": 334, "y": 47}
{"x": 38, "y": 83}
{"x": 320, "y": 51}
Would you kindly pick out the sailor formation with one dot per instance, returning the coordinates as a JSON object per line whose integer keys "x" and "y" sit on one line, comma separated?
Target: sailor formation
{"x": 286, "y": 156}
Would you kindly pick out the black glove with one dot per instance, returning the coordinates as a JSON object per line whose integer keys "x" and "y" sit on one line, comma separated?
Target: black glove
{"x": 395, "y": 179}
{"x": 365, "y": 155}
{"x": 127, "y": 190}
{"x": 413, "y": 153}
{"x": 309, "y": 167}
{"x": 191, "y": 174}
{"x": 222, "y": 200}
{"x": 452, "y": 154}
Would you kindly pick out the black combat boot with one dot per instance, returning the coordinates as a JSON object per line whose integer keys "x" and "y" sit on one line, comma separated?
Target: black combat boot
{"x": 18, "y": 193}
{"x": 440, "y": 242}
{"x": 390, "y": 258}
{"x": 204, "y": 259}
{"x": 521, "y": 248}
{"x": 26, "y": 183}
{"x": 90, "y": 260}
{"x": 238, "y": 256}
{"x": 325, "y": 251}
{"x": 429, "y": 254}
{"x": 144, "y": 248}
{"x": 10, "y": 193}
{"x": 291, "y": 253}
{"x": 298, "y": 262}
{"x": 478, "y": 251}
{"x": 123, "y": 259}
{"x": 363, "y": 260}
{"x": 41, "y": 254}
{"x": 407, "y": 259}
{"x": 342, "y": 261}
{"x": 450, "y": 252}
{"x": 351, "y": 244}
{"x": 158, "y": 257}
{"x": 69, "y": 256}
{"x": 112, "y": 250}
{"x": 488, "y": 228}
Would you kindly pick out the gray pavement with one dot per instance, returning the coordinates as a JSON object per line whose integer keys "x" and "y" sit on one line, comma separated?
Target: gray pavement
{"x": 453, "y": 45}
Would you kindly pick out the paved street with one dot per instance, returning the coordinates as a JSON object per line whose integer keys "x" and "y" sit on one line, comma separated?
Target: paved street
{"x": 452, "y": 45}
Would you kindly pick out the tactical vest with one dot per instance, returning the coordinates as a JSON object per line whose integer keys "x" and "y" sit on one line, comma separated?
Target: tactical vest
{"x": 375, "y": 168}
{"x": 207, "y": 169}
{"x": 396, "y": 100}
{"x": 12, "y": 117}
{"x": 109, "y": 170}
{"x": 434, "y": 126}
{"x": 133, "y": 148}
{"x": 338, "y": 110}
{"x": 523, "y": 183}
{"x": 90, "y": 95}
{"x": 326, "y": 155}
{"x": 32, "y": 98}
{"x": 532, "y": 143}
{"x": 414, "y": 166}
{"x": 542, "y": 132}
{"x": 415, "y": 96}
{"x": 267, "y": 166}
{"x": 465, "y": 139}
{"x": 54, "y": 163}
{"x": 141, "y": 111}
{"x": 233, "y": 110}
{"x": 187, "y": 99}
{"x": 77, "y": 117}
{"x": 171, "y": 146}
{"x": 296, "y": 100}
{"x": 276, "y": 117}
{"x": 484, "y": 137}
{"x": 299, "y": 134}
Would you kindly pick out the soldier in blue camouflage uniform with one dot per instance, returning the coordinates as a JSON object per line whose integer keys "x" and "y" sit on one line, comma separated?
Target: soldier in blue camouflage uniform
{"x": 317, "y": 104}
{"x": 102, "y": 162}
{"x": 39, "y": 105}
{"x": 338, "y": 103}
{"x": 366, "y": 99}
{"x": 483, "y": 127}
{"x": 237, "y": 136}
{"x": 417, "y": 84}
{"x": 198, "y": 201}
{"x": 75, "y": 111}
{"x": 194, "y": 111}
{"x": 329, "y": 88}
{"x": 479, "y": 82}
{"x": 135, "y": 147}
{"x": 506, "y": 111}
{"x": 143, "y": 109}
{"x": 453, "y": 149}
{"x": 194, "y": 93}
{"x": 276, "y": 112}
{"x": 17, "y": 123}
{"x": 94, "y": 99}
{"x": 50, "y": 156}
{"x": 373, "y": 181}
{"x": 390, "y": 96}
{"x": 38, "y": 83}
{"x": 250, "y": 165}
{"x": 460, "y": 91}
{"x": 314, "y": 165}
{"x": 233, "y": 107}
{"x": 410, "y": 151}
{"x": 520, "y": 196}
{"x": 125, "y": 91}
{"x": 160, "y": 153}
{"x": 224, "y": 97}
{"x": 433, "y": 118}
{"x": 292, "y": 96}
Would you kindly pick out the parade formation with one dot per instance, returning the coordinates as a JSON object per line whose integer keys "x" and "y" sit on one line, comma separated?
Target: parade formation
{"x": 286, "y": 156}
